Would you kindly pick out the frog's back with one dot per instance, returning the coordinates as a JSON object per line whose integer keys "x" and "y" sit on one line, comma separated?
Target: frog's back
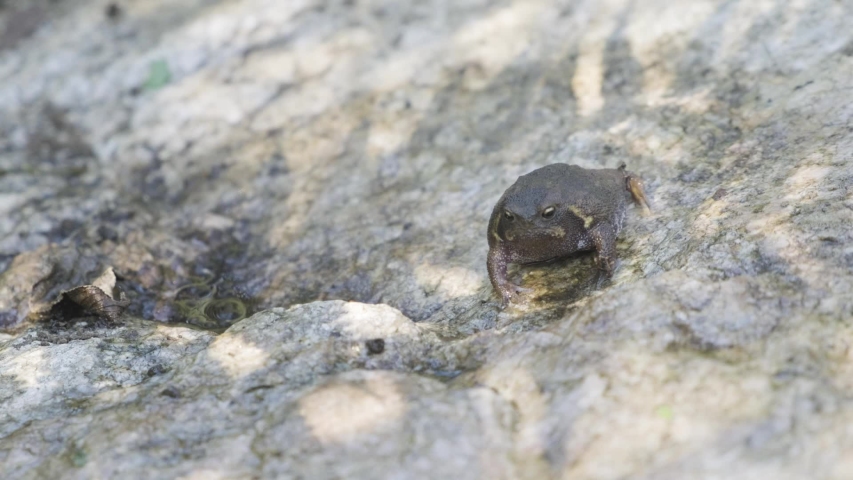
{"x": 598, "y": 193}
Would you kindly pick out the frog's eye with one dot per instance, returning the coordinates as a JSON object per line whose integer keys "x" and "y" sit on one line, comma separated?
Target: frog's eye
{"x": 508, "y": 215}
{"x": 548, "y": 212}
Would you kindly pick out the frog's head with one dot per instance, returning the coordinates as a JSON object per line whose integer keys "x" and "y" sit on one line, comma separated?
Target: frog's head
{"x": 533, "y": 213}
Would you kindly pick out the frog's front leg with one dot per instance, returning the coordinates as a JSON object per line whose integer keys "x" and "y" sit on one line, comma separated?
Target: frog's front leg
{"x": 604, "y": 238}
{"x": 497, "y": 262}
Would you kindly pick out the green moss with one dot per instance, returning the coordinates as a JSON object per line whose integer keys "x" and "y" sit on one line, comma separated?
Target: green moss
{"x": 664, "y": 412}
{"x": 196, "y": 302}
{"x": 77, "y": 456}
{"x": 158, "y": 76}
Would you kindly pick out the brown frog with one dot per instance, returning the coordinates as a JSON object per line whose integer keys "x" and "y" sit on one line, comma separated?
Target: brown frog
{"x": 558, "y": 210}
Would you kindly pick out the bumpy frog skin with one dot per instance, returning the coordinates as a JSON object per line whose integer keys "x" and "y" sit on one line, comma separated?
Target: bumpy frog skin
{"x": 558, "y": 210}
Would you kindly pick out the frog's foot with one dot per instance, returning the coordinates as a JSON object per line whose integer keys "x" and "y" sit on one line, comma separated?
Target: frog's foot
{"x": 635, "y": 186}
{"x": 604, "y": 239}
{"x": 600, "y": 279}
{"x": 605, "y": 265}
{"x": 511, "y": 292}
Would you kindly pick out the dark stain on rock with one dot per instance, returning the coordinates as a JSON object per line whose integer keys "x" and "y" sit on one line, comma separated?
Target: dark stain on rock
{"x": 623, "y": 73}
{"x": 213, "y": 291}
{"x": 107, "y": 233}
{"x": 375, "y": 346}
{"x": 171, "y": 391}
{"x": 113, "y": 11}
{"x": 56, "y": 146}
{"x": 19, "y": 25}
{"x": 803, "y": 85}
{"x": 65, "y": 229}
{"x": 157, "y": 370}
{"x": 695, "y": 174}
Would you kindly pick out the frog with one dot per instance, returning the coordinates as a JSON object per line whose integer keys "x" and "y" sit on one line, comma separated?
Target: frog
{"x": 556, "y": 211}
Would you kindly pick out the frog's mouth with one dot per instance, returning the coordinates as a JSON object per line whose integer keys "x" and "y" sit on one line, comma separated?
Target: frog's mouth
{"x": 535, "y": 234}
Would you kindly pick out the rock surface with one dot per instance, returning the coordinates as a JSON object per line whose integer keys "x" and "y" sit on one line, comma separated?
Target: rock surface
{"x": 330, "y": 167}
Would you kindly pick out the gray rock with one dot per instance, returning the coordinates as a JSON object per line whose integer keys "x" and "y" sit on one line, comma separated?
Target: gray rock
{"x": 313, "y": 179}
{"x": 284, "y": 393}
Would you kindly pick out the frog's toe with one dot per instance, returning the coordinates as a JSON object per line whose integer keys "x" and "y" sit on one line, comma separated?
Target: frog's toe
{"x": 601, "y": 279}
{"x": 605, "y": 264}
{"x": 512, "y": 293}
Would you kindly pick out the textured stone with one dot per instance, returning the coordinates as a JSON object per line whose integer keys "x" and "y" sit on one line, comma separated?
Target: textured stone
{"x": 327, "y": 169}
